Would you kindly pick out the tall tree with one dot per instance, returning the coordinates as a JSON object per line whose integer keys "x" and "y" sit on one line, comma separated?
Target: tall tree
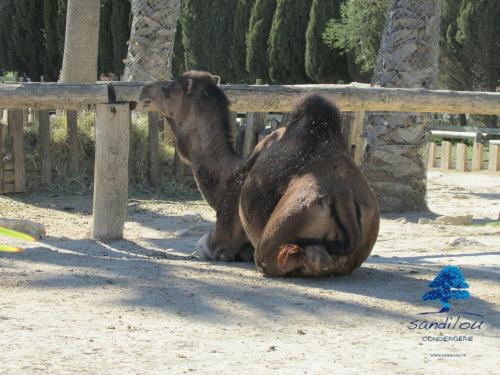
{"x": 6, "y": 15}
{"x": 178, "y": 63}
{"x": 53, "y": 40}
{"x": 238, "y": 46}
{"x": 81, "y": 42}
{"x": 106, "y": 39}
{"x": 287, "y": 41}
{"x": 257, "y": 64}
{"x": 394, "y": 160}
{"x": 27, "y": 38}
{"x": 151, "y": 41}
{"x": 120, "y": 29}
{"x": 323, "y": 64}
{"x": 79, "y": 60}
{"x": 207, "y": 29}
{"x": 358, "y": 32}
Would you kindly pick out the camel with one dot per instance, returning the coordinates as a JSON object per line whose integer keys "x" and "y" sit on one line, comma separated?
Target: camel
{"x": 298, "y": 204}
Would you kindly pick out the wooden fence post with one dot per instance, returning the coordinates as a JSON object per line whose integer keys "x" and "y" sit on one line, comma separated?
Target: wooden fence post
{"x": 256, "y": 121}
{"x": 431, "y": 158}
{"x": 355, "y": 136}
{"x": 153, "y": 147}
{"x": 477, "y": 156}
{"x": 461, "y": 164}
{"x": 72, "y": 129}
{"x": 446, "y": 155}
{"x": 494, "y": 158}
{"x": 111, "y": 170}
{"x": 16, "y": 123}
{"x": 44, "y": 141}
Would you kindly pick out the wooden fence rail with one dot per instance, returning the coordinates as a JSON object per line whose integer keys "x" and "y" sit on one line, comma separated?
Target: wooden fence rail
{"x": 113, "y": 101}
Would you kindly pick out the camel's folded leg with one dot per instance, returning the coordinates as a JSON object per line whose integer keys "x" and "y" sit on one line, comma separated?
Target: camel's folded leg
{"x": 279, "y": 251}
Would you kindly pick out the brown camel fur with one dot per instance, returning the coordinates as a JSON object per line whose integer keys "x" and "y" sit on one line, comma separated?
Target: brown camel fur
{"x": 298, "y": 200}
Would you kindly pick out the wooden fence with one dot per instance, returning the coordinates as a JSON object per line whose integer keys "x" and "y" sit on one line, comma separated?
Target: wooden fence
{"x": 458, "y": 159}
{"x": 112, "y": 106}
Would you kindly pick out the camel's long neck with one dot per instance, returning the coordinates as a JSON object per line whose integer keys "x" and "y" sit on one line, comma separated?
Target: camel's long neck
{"x": 213, "y": 161}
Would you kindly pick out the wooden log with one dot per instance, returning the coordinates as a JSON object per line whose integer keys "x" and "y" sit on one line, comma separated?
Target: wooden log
{"x": 153, "y": 148}
{"x": 256, "y": 121}
{"x": 16, "y": 127}
{"x": 9, "y": 177}
{"x": 461, "y": 164}
{"x": 9, "y": 188}
{"x": 494, "y": 158}
{"x": 52, "y": 95}
{"x": 261, "y": 98}
{"x": 432, "y": 154}
{"x": 72, "y": 135}
{"x": 111, "y": 171}
{"x": 446, "y": 155}
{"x": 477, "y": 156}
{"x": 44, "y": 141}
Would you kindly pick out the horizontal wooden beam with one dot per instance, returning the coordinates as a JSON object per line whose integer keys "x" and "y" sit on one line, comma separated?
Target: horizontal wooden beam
{"x": 52, "y": 95}
{"x": 260, "y": 98}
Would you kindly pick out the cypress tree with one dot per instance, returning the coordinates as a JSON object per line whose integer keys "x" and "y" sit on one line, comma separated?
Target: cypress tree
{"x": 27, "y": 47}
{"x": 195, "y": 23}
{"x": 206, "y": 35}
{"x": 257, "y": 45}
{"x": 287, "y": 41}
{"x": 238, "y": 47}
{"x": 53, "y": 57}
{"x": 178, "y": 65}
{"x": 62, "y": 8}
{"x": 323, "y": 64}
{"x": 120, "y": 28}
{"x": 6, "y": 14}
{"x": 105, "y": 56}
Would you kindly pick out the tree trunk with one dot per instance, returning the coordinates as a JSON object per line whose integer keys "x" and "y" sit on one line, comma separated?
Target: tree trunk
{"x": 149, "y": 57}
{"x": 152, "y": 38}
{"x": 80, "y": 60}
{"x": 394, "y": 160}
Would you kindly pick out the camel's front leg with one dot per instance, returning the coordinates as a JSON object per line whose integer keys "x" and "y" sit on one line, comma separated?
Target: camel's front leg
{"x": 225, "y": 242}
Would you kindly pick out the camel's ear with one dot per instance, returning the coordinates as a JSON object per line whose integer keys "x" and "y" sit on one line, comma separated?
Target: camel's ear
{"x": 189, "y": 87}
{"x": 216, "y": 80}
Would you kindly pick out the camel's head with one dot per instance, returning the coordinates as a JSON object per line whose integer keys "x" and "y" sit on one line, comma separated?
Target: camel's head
{"x": 173, "y": 99}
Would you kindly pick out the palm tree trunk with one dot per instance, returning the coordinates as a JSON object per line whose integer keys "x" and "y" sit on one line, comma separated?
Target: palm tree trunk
{"x": 149, "y": 58}
{"x": 80, "y": 60}
{"x": 152, "y": 38}
{"x": 394, "y": 160}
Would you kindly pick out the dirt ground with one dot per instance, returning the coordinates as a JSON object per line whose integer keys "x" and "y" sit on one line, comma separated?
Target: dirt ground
{"x": 145, "y": 305}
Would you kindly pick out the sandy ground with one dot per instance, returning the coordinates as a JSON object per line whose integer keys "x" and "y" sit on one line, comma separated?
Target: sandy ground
{"x": 70, "y": 305}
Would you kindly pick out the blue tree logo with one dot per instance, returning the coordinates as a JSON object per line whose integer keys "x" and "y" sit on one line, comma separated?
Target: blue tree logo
{"x": 448, "y": 284}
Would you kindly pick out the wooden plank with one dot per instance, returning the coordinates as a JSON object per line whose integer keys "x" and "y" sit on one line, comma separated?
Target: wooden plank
{"x": 72, "y": 135}
{"x": 477, "y": 156}
{"x": 461, "y": 164}
{"x": 153, "y": 148}
{"x": 111, "y": 171}
{"x": 260, "y": 98}
{"x": 256, "y": 121}
{"x": 432, "y": 154}
{"x": 16, "y": 127}
{"x": 494, "y": 158}
{"x": 44, "y": 141}
{"x": 446, "y": 155}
